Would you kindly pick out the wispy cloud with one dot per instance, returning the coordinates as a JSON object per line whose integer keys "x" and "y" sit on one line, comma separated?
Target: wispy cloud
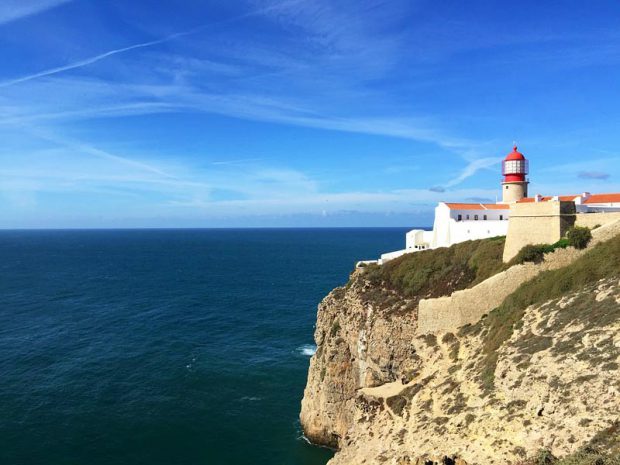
{"x": 593, "y": 175}
{"x": 472, "y": 168}
{"x": 479, "y": 199}
{"x": 12, "y": 10}
{"x": 93, "y": 151}
{"x": 164, "y": 97}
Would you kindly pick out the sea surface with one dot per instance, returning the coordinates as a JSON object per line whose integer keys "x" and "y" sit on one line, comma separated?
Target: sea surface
{"x": 164, "y": 346}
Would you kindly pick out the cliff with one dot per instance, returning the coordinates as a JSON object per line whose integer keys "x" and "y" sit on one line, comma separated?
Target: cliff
{"x": 539, "y": 372}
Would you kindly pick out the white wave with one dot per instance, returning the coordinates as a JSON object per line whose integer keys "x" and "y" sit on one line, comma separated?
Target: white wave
{"x": 307, "y": 349}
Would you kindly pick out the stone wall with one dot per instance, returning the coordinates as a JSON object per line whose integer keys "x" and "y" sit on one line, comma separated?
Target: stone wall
{"x": 537, "y": 223}
{"x": 590, "y": 220}
{"x": 469, "y": 305}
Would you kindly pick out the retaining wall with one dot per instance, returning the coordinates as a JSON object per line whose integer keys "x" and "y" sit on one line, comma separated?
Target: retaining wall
{"x": 469, "y": 305}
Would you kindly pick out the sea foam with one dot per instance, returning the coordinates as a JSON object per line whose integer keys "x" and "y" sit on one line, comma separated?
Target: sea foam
{"x": 307, "y": 349}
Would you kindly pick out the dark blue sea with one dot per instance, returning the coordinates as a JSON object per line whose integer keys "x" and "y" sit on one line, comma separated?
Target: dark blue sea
{"x": 164, "y": 347}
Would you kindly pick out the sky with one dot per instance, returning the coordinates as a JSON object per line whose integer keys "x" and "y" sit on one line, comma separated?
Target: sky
{"x": 297, "y": 113}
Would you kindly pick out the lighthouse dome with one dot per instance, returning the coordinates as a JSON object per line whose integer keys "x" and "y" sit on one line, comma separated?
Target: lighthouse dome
{"x": 515, "y": 155}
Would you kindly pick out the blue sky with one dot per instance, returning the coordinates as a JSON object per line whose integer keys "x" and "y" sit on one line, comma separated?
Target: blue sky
{"x": 297, "y": 112}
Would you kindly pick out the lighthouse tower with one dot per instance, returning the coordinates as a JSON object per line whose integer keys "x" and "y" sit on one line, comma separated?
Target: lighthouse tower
{"x": 514, "y": 169}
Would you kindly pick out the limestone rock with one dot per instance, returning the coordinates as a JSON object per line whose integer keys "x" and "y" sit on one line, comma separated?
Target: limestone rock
{"x": 383, "y": 394}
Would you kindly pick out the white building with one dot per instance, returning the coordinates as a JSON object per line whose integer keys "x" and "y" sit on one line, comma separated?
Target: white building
{"x": 454, "y": 223}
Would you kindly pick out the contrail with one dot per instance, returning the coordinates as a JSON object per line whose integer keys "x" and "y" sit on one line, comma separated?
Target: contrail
{"x": 96, "y": 58}
{"x": 150, "y": 43}
{"x": 84, "y": 148}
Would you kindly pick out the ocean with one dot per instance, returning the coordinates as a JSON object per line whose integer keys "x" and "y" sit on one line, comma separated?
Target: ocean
{"x": 164, "y": 347}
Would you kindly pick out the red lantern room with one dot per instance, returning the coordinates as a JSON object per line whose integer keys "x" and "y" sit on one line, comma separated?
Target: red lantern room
{"x": 515, "y": 167}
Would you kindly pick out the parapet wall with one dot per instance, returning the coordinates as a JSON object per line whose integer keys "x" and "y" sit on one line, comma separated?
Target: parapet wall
{"x": 590, "y": 220}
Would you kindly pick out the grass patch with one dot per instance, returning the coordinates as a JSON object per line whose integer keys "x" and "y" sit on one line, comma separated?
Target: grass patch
{"x": 454, "y": 345}
{"x": 603, "y": 449}
{"x": 429, "y": 339}
{"x": 397, "y": 404}
{"x": 603, "y": 261}
{"x": 335, "y": 329}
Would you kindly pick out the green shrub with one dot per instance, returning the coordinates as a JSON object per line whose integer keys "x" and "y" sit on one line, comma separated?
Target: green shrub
{"x": 579, "y": 237}
{"x": 544, "y": 457}
{"x": 534, "y": 253}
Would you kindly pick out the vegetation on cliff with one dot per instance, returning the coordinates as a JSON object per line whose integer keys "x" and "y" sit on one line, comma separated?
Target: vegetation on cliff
{"x": 603, "y": 449}
{"x": 439, "y": 272}
{"x": 603, "y": 261}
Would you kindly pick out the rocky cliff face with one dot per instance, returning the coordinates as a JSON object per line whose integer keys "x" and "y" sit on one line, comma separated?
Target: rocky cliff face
{"x": 363, "y": 339}
{"x": 381, "y": 393}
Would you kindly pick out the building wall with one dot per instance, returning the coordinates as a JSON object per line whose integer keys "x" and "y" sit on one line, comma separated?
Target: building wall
{"x": 448, "y": 231}
{"x": 537, "y": 223}
{"x": 418, "y": 239}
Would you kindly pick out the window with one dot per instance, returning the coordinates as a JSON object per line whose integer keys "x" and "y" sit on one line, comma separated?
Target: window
{"x": 515, "y": 167}
{"x": 459, "y": 218}
{"x": 484, "y": 217}
{"x": 476, "y": 217}
{"x": 467, "y": 217}
{"x": 506, "y": 187}
{"x": 501, "y": 217}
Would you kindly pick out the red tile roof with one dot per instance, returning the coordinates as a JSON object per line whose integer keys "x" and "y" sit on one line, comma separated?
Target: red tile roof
{"x": 564, "y": 198}
{"x": 603, "y": 198}
{"x": 594, "y": 198}
{"x": 477, "y": 206}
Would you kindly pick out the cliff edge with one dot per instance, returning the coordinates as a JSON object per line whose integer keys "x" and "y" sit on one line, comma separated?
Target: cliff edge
{"x": 538, "y": 375}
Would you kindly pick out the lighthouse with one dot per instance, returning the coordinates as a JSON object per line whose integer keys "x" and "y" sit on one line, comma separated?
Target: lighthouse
{"x": 514, "y": 170}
